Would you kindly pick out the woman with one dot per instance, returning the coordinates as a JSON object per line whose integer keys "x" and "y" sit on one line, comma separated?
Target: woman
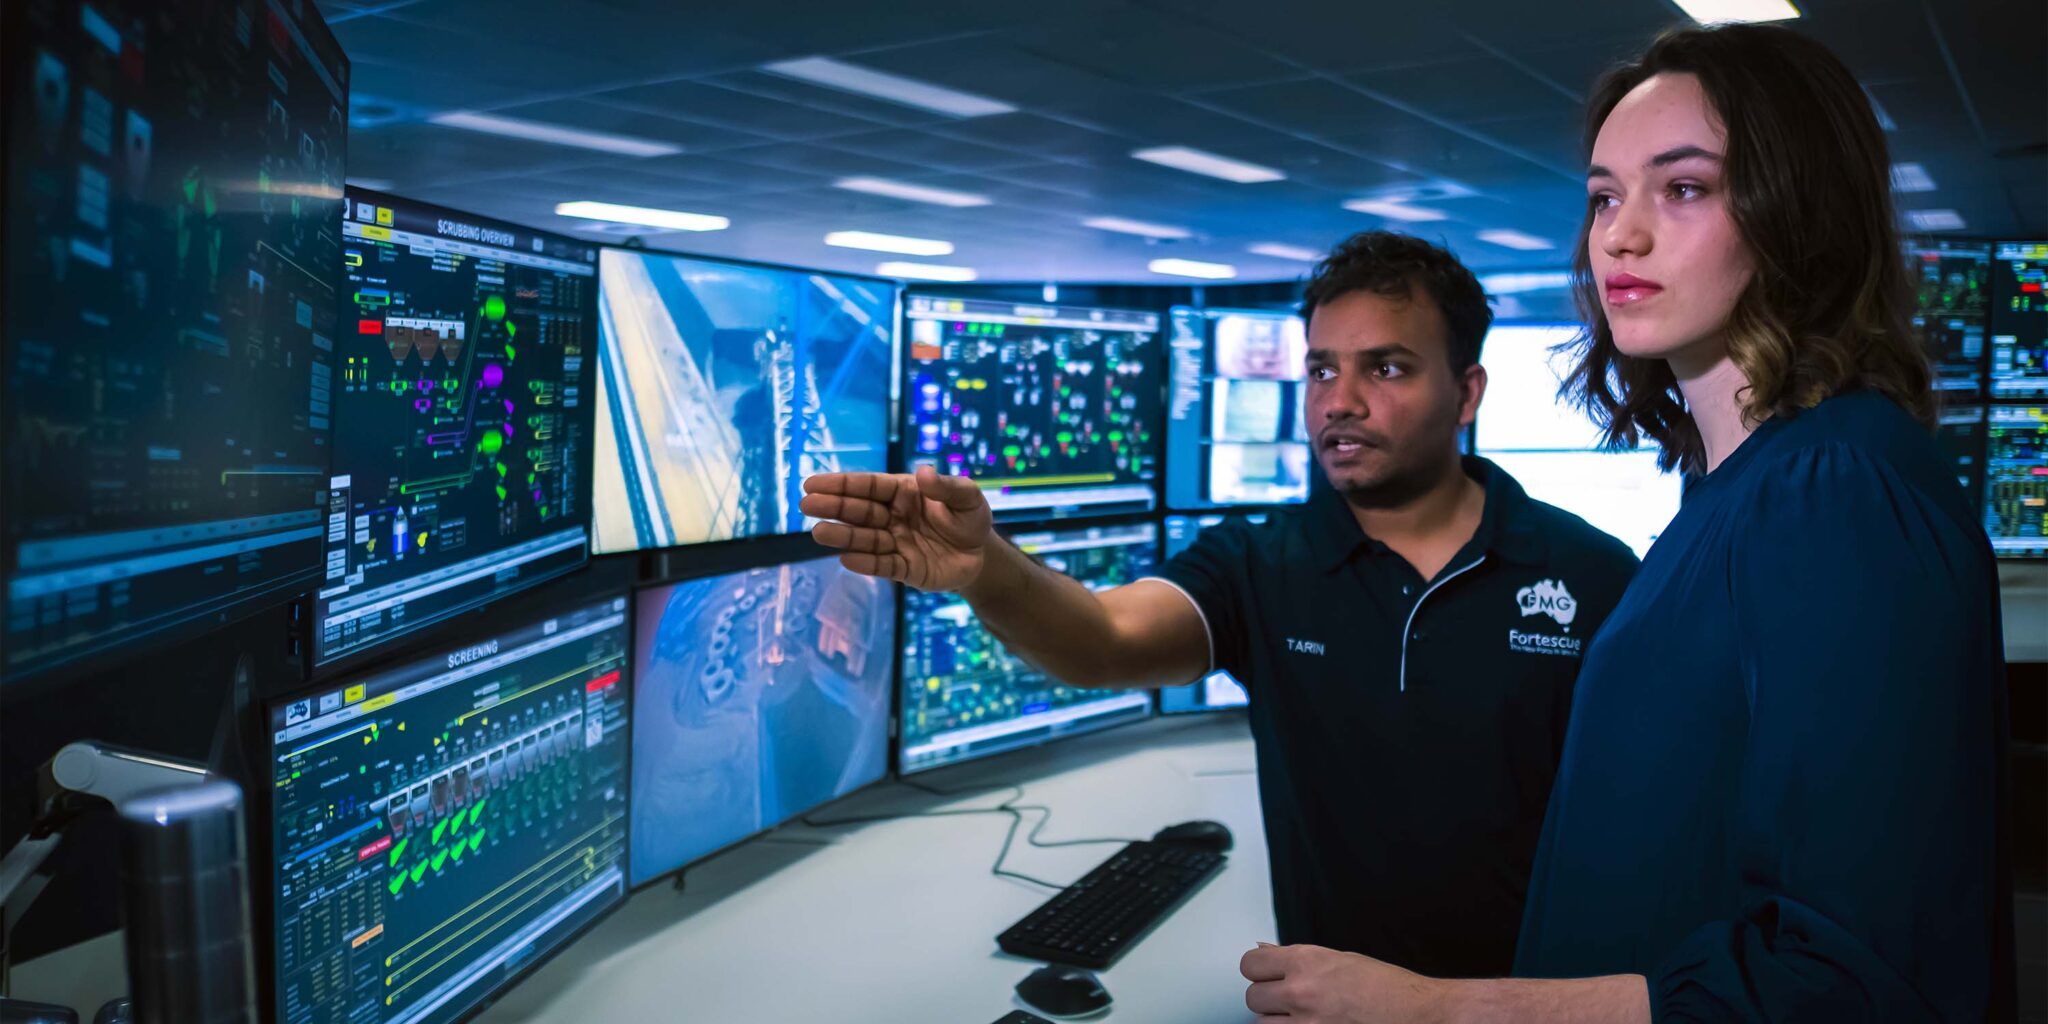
{"x": 1782, "y": 795}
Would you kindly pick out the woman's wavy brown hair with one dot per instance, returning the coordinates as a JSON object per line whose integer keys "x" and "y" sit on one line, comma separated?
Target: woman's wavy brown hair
{"x": 1809, "y": 185}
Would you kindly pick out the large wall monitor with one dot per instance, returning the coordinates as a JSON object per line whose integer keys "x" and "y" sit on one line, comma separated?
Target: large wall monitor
{"x": 2019, "y": 320}
{"x": 723, "y": 385}
{"x": 441, "y": 826}
{"x": 965, "y": 695}
{"x": 1053, "y": 410}
{"x": 759, "y": 695}
{"x": 1235, "y": 433}
{"x": 1554, "y": 450}
{"x": 462, "y": 412}
{"x": 167, "y": 348}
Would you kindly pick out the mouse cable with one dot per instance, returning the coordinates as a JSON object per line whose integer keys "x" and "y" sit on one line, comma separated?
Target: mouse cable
{"x": 1009, "y": 806}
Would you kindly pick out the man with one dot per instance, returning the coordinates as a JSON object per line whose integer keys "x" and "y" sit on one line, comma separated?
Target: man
{"x": 1409, "y": 637}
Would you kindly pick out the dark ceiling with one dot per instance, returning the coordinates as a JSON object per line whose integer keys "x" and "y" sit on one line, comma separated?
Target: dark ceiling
{"x": 1346, "y": 97}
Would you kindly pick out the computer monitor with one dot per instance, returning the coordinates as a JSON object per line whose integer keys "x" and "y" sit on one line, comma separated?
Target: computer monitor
{"x": 2016, "y": 481}
{"x": 441, "y": 826}
{"x": 759, "y": 695}
{"x": 723, "y": 385}
{"x": 1954, "y": 294}
{"x": 462, "y": 419}
{"x": 1961, "y": 434}
{"x": 1554, "y": 450}
{"x": 1623, "y": 494}
{"x": 965, "y": 695}
{"x": 2019, "y": 320}
{"x": 167, "y": 336}
{"x": 1053, "y": 410}
{"x": 1521, "y": 411}
{"x": 1234, "y": 431}
{"x": 1217, "y": 691}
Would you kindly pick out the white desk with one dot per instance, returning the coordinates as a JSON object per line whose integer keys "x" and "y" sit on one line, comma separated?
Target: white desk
{"x": 895, "y": 922}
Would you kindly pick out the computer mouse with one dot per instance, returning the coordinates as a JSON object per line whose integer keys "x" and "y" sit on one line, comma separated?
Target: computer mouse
{"x": 1203, "y": 835}
{"x": 1065, "y": 992}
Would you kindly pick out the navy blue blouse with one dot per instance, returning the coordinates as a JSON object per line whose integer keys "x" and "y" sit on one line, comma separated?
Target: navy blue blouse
{"x": 1783, "y": 791}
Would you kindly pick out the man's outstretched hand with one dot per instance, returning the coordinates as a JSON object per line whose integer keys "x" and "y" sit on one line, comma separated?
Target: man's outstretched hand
{"x": 929, "y": 531}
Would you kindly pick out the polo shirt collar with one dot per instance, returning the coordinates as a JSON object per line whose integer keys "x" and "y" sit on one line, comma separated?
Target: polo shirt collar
{"x": 1507, "y": 530}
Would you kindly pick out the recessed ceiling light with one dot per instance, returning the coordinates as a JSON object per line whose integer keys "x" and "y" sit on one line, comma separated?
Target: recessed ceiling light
{"x": 1392, "y": 210}
{"x": 1279, "y": 251}
{"x": 673, "y": 220}
{"x": 1515, "y": 240}
{"x": 1911, "y": 178}
{"x": 889, "y": 243}
{"x": 1195, "y": 161}
{"x": 1193, "y": 268}
{"x": 910, "y": 92}
{"x": 913, "y": 193}
{"x": 1935, "y": 220}
{"x": 1715, "y": 12}
{"x": 1126, "y": 226}
{"x": 536, "y": 131}
{"x": 1517, "y": 283}
{"x": 924, "y": 271}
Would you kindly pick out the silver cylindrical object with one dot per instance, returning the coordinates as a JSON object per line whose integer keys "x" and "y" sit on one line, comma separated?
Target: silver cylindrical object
{"x": 186, "y": 881}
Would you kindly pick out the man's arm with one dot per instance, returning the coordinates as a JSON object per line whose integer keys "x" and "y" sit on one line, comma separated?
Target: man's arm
{"x": 936, "y": 533}
{"x": 1142, "y": 634}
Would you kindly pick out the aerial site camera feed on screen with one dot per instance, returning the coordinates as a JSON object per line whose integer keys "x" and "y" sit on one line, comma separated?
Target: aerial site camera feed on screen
{"x": 723, "y": 386}
{"x": 758, "y": 696}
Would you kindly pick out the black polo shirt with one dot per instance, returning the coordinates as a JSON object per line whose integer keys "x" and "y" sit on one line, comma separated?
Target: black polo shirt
{"x": 1407, "y": 729}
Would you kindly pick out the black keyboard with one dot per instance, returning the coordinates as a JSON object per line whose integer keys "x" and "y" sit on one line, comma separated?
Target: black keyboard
{"x": 1093, "y": 921}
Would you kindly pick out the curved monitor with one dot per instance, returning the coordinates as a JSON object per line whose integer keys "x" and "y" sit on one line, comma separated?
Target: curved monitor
{"x": 722, "y": 385}
{"x": 966, "y": 696}
{"x": 1053, "y": 410}
{"x": 167, "y": 362}
{"x": 441, "y": 825}
{"x": 759, "y": 696}
{"x": 462, "y": 457}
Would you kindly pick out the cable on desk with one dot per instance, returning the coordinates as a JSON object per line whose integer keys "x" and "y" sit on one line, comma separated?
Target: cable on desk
{"x": 1009, "y": 806}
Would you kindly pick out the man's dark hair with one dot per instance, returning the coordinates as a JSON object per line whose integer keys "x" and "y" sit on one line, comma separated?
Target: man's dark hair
{"x": 1402, "y": 266}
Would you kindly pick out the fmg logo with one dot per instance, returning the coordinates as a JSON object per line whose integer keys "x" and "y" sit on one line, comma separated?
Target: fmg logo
{"x": 1548, "y": 597}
